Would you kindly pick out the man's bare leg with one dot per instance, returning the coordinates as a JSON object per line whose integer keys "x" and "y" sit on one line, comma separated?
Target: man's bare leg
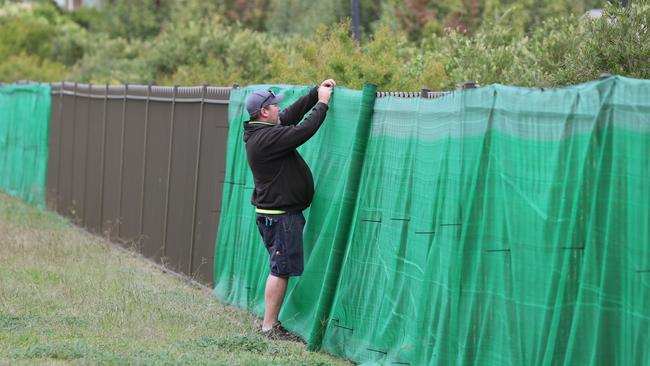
{"x": 273, "y": 297}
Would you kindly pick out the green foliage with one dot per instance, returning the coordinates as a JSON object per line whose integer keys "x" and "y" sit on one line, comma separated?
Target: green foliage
{"x": 26, "y": 31}
{"x": 419, "y": 17}
{"x": 560, "y": 51}
{"x": 87, "y": 17}
{"x": 302, "y": 18}
{"x": 388, "y": 60}
{"x": 39, "y": 36}
{"x": 112, "y": 60}
{"x": 133, "y": 19}
{"x": 252, "y": 14}
{"x": 182, "y": 12}
{"x": 299, "y": 17}
{"x": 29, "y": 67}
{"x": 617, "y": 43}
{"x": 209, "y": 52}
{"x": 497, "y": 53}
{"x": 413, "y": 44}
{"x": 69, "y": 43}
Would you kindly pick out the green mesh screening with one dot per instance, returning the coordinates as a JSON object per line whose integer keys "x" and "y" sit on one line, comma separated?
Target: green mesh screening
{"x": 497, "y": 226}
{"x": 24, "y": 131}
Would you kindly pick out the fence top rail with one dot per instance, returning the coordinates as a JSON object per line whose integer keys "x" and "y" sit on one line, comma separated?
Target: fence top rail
{"x": 181, "y": 94}
{"x": 423, "y": 94}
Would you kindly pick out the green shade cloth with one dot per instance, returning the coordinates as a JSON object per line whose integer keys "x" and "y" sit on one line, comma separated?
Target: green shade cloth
{"x": 496, "y": 226}
{"x": 24, "y": 132}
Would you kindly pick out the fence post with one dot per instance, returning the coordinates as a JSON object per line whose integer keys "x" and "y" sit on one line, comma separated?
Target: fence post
{"x": 144, "y": 158}
{"x": 103, "y": 162}
{"x": 74, "y": 132}
{"x": 59, "y": 152}
{"x": 121, "y": 176}
{"x": 468, "y": 84}
{"x": 90, "y": 90}
{"x": 196, "y": 177}
{"x": 425, "y": 93}
{"x": 169, "y": 172}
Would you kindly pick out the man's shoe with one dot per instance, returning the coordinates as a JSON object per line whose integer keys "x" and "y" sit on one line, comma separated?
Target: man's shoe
{"x": 280, "y": 333}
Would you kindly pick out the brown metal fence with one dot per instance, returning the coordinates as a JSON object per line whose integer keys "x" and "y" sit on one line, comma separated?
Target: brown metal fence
{"x": 143, "y": 165}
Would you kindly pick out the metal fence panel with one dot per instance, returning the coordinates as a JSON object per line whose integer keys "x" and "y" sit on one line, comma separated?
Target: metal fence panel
{"x": 131, "y": 177}
{"x": 155, "y": 179}
{"x": 181, "y": 189}
{"x": 92, "y": 198}
{"x": 54, "y": 147}
{"x": 79, "y": 153}
{"x": 64, "y": 175}
{"x": 112, "y": 160}
{"x": 115, "y": 167}
{"x": 210, "y": 187}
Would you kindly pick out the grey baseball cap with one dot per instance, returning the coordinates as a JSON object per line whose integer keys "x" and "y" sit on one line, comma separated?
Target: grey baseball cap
{"x": 260, "y": 99}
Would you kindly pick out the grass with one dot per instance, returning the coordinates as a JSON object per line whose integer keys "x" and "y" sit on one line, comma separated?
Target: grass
{"x": 68, "y": 297}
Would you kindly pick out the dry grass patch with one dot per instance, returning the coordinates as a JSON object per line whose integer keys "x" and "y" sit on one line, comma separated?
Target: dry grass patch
{"x": 68, "y": 297}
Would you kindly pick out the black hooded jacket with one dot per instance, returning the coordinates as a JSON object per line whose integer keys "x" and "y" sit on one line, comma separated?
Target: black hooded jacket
{"x": 283, "y": 180}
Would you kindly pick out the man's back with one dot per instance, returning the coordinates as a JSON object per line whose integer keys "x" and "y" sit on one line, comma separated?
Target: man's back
{"x": 283, "y": 180}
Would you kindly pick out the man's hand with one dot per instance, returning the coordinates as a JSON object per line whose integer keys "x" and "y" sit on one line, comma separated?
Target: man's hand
{"x": 325, "y": 90}
{"x": 330, "y": 83}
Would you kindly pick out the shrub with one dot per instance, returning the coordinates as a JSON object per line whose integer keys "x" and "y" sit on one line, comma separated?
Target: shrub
{"x": 207, "y": 51}
{"x": 112, "y": 60}
{"x": 388, "y": 60}
{"x": 617, "y": 43}
{"x": 188, "y": 42}
{"x": 22, "y": 30}
{"x": 69, "y": 43}
{"x": 41, "y": 31}
{"x": 560, "y": 51}
{"x": 132, "y": 19}
{"x": 30, "y": 67}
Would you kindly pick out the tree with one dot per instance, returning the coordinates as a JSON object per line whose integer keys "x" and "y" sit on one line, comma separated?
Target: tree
{"x": 251, "y": 14}
{"x": 133, "y": 19}
{"x": 302, "y": 17}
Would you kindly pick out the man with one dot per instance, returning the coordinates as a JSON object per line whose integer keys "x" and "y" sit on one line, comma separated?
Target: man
{"x": 284, "y": 186}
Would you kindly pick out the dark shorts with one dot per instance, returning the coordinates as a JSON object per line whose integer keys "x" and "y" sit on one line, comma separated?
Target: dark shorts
{"x": 282, "y": 236}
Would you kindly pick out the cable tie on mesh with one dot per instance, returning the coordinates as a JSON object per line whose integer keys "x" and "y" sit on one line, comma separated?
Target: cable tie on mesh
{"x": 573, "y": 248}
{"x": 643, "y": 271}
{"x": 399, "y": 363}
{"x": 398, "y": 219}
{"x": 424, "y": 232}
{"x": 376, "y": 350}
{"x": 340, "y": 326}
{"x": 451, "y": 224}
{"x": 370, "y": 220}
{"x": 497, "y": 250}
{"x": 233, "y": 183}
